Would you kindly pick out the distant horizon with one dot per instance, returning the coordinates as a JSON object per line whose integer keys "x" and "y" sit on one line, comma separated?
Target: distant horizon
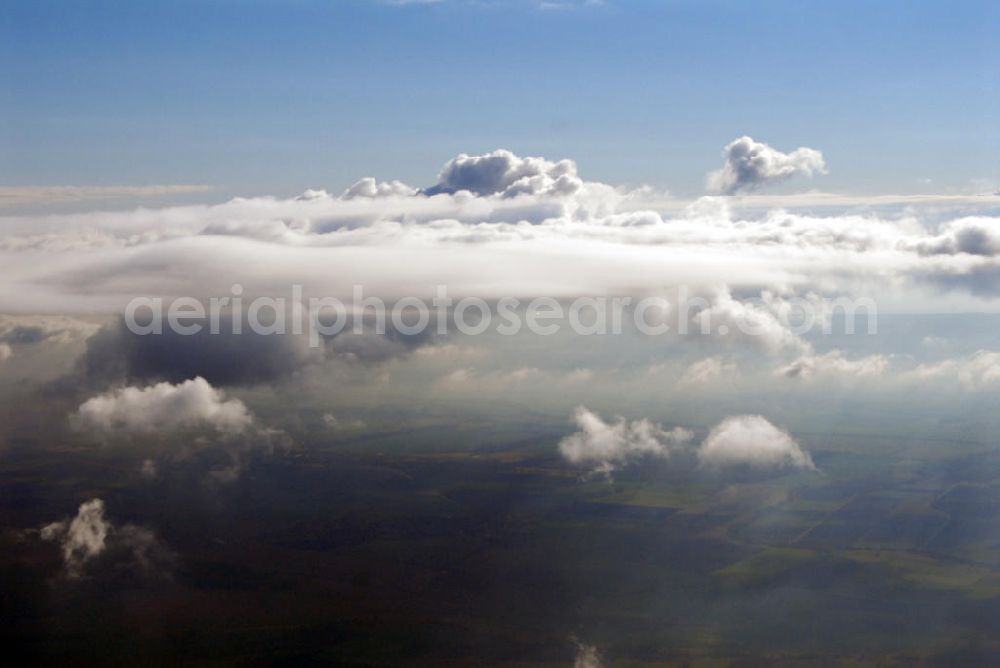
{"x": 900, "y": 96}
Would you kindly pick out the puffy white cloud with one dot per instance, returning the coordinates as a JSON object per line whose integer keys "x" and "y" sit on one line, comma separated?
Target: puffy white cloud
{"x": 187, "y": 406}
{"x": 750, "y": 440}
{"x": 505, "y": 174}
{"x": 90, "y": 535}
{"x": 312, "y": 194}
{"x": 751, "y": 164}
{"x": 761, "y": 321}
{"x": 178, "y": 420}
{"x": 81, "y": 538}
{"x": 834, "y": 362}
{"x": 607, "y": 446}
{"x": 744, "y": 440}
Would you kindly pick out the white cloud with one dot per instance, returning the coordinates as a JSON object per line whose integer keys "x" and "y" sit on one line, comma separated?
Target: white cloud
{"x": 744, "y": 440}
{"x": 6, "y": 352}
{"x": 834, "y": 362}
{"x": 526, "y": 236}
{"x": 156, "y": 415}
{"x": 191, "y": 405}
{"x": 761, "y": 321}
{"x": 750, "y": 440}
{"x": 505, "y": 174}
{"x": 86, "y": 537}
{"x": 81, "y": 538}
{"x": 751, "y": 164}
{"x": 607, "y": 446}
{"x": 370, "y": 188}
{"x": 978, "y": 371}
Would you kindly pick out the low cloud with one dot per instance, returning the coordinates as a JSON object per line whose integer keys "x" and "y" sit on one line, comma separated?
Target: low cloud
{"x": 740, "y": 441}
{"x": 751, "y": 441}
{"x": 834, "y": 363}
{"x": 763, "y": 321}
{"x": 751, "y": 164}
{"x": 605, "y": 446}
{"x": 90, "y": 538}
{"x": 193, "y": 405}
{"x": 979, "y": 371}
{"x": 179, "y": 420}
{"x": 505, "y": 174}
{"x": 82, "y": 538}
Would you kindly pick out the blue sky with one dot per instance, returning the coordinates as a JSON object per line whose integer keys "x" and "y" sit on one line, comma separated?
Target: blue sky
{"x": 274, "y": 97}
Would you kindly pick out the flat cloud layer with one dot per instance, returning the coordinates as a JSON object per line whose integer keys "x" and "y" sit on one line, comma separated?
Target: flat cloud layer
{"x": 495, "y": 225}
